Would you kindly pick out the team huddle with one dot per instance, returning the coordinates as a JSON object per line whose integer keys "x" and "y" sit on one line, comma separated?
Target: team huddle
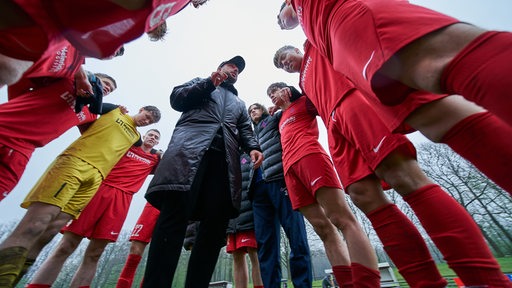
{"x": 234, "y": 175}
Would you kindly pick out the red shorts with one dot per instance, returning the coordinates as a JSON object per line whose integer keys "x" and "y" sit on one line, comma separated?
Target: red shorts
{"x": 386, "y": 27}
{"x": 307, "y": 175}
{"x": 12, "y": 166}
{"x": 394, "y": 116}
{"x": 241, "y": 241}
{"x": 143, "y": 230}
{"x": 104, "y": 216}
{"x": 359, "y": 140}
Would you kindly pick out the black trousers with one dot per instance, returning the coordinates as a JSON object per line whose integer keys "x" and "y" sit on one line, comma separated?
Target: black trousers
{"x": 210, "y": 197}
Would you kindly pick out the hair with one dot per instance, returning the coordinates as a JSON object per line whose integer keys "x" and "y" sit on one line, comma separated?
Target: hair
{"x": 119, "y": 52}
{"x": 260, "y": 106}
{"x": 282, "y": 6}
{"x": 280, "y": 51}
{"x": 105, "y": 76}
{"x": 154, "y": 111}
{"x": 277, "y": 85}
{"x": 156, "y": 130}
{"x": 158, "y": 33}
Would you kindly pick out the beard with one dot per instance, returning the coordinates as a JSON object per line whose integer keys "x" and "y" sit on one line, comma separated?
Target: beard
{"x": 230, "y": 80}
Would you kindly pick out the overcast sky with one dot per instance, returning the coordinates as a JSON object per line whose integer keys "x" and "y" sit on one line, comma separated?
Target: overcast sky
{"x": 198, "y": 40}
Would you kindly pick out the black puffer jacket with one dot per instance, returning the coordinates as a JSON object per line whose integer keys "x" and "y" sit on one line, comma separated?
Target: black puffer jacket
{"x": 244, "y": 221}
{"x": 267, "y": 132}
{"x": 205, "y": 109}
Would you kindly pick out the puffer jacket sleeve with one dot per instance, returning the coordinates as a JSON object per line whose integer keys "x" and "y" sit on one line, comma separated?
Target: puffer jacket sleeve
{"x": 191, "y": 95}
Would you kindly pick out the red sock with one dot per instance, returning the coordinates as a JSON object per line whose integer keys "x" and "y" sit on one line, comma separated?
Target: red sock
{"x": 259, "y": 286}
{"x": 38, "y": 286}
{"x": 457, "y": 236}
{"x": 405, "y": 246}
{"x": 84, "y": 286}
{"x": 343, "y": 275}
{"x": 365, "y": 277}
{"x": 485, "y": 141}
{"x": 481, "y": 73}
{"x": 128, "y": 272}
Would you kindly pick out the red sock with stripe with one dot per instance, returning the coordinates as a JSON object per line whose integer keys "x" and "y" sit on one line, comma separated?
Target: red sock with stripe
{"x": 457, "y": 236}
{"x": 405, "y": 246}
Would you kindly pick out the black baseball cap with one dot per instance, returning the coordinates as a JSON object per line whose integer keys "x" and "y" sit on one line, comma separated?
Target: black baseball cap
{"x": 238, "y": 61}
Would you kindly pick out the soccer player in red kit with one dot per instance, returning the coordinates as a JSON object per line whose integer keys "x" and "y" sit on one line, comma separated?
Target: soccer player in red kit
{"x": 392, "y": 48}
{"x": 18, "y": 117}
{"x": 140, "y": 238}
{"x": 96, "y": 28}
{"x": 315, "y": 190}
{"x": 102, "y": 219}
{"x": 363, "y": 147}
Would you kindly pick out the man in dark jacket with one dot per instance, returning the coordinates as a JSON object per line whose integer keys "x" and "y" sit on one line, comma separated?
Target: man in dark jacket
{"x": 199, "y": 176}
{"x": 272, "y": 208}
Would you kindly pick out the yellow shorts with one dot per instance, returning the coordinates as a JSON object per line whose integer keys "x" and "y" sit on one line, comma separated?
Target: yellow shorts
{"x": 68, "y": 183}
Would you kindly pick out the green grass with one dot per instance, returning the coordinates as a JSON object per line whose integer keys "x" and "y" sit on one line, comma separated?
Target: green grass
{"x": 505, "y": 263}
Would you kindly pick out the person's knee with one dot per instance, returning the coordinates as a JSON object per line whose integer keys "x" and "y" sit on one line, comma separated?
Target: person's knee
{"x": 137, "y": 248}
{"x": 367, "y": 194}
{"x": 402, "y": 173}
{"x": 66, "y": 248}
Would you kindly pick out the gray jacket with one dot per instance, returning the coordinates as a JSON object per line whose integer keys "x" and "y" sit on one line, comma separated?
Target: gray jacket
{"x": 205, "y": 108}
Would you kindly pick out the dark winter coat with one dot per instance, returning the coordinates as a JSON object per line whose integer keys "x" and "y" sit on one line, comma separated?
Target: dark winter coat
{"x": 244, "y": 221}
{"x": 205, "y": 108}
{"x": 269, "y": 138}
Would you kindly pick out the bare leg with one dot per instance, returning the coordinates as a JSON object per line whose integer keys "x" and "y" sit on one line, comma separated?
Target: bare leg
{"x": 49, "y": 271}
{"x": 32, "y": 226}
{"x": 240, "y": 269}
{"x": 255, "y": 264}
{"x": 87, "y": 270}
{"x": 436, "y": 118}
{"x": 137, "y": 247}
{"x": 337, "y": 211}
{"x": 421, "y": 63}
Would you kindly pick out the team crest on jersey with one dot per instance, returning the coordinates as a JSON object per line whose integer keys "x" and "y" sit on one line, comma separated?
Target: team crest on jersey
{"x": 159, "y": 14}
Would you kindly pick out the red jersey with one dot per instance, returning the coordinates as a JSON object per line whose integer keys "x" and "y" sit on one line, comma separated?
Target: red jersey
{"x": 34, "y": 119}
{"x": 60, "y": 60}
{"x": 325, "y": 87}
{"x": 299, "y": 132}
{"x": 131, "y": 171}
{"x": 97, "y": 27}
{"x": 359, "y": 36}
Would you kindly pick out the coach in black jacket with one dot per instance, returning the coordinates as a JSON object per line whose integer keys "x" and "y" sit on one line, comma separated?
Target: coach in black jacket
{"x": 199, "y": 175}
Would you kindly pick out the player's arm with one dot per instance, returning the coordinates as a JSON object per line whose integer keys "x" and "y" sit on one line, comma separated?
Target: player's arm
{"x": 191, "y": 95}
{"x": 83, "y": 87}
{"x": 107, "y": 107}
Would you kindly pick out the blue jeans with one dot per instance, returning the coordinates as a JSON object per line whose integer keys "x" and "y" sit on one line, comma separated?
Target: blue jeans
{"x": 272, "y": 208}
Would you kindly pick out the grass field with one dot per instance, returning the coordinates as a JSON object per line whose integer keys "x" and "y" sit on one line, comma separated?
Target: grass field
{"x": 505, "y": 263}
